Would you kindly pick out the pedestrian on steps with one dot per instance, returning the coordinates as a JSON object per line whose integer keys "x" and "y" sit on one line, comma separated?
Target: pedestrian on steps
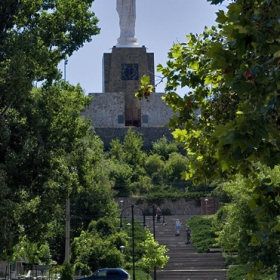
{"x": 178, "y": 226}
{"x": 158, "y": 214}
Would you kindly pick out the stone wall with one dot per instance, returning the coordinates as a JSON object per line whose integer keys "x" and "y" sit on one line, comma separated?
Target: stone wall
{"x": 149, "y": 134}
{"x": 106, "y": 109}
{"x": 155, "y": 112}
{"x": 179, "y": 207}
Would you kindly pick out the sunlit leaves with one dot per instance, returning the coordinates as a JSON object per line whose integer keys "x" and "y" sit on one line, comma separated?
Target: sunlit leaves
{"x": 145, "y": 89}
{"x": 231, "y": 73}
{"x": 154, "y": 254}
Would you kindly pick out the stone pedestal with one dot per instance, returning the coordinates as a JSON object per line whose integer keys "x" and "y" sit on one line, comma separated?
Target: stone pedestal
{"x": 118, "y": 67}
{"x": 127, "y": 42}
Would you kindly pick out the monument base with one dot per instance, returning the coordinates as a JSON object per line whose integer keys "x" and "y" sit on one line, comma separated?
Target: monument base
{"x": 127, "y": 42}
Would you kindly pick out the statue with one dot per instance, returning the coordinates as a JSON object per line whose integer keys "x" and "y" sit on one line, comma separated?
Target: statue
{"x": 127, "y": 13}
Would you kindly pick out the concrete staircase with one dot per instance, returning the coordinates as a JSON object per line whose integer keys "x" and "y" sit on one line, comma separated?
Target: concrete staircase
{"x": 185, "y": 262}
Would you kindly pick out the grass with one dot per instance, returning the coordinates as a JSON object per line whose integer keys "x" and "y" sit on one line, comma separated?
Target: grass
{"x": 139, "y": 274}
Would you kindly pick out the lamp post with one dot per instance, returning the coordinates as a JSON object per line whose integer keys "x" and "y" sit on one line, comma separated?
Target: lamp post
{"x": 67, "y": 218}
{"x": 154, "y": 233}
{"x": 132, "y": 233}
{"x": 65, "y": 63}
{"x": 129, "y": 229}
{"x": 206, "y": 201}
{"x": 67, "y": 232}
{"x": 278, "y": 273}
{"x": 122, "y": 250}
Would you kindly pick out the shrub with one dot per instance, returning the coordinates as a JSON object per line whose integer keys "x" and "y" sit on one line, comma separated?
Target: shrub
{"x": 203, "y": 236}
{"x": 154, "y": 166}
{"x": 236, "y": 272}
{"x": 175, "y": 166}
{"x": 164, "y": 148}
{"x": 66, "y": 271}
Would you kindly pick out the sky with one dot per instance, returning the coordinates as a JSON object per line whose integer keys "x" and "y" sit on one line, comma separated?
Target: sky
{"x": 159, "y": 24}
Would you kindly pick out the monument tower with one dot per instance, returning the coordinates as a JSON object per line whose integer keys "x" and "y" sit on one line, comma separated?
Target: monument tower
{"x": 127, "y": 63}
{"x": 116, "y": 108}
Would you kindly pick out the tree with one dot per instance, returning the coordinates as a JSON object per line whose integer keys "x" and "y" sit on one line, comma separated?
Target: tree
{"x": 164, "y": 148}
{"x": 132, "y": 146}
{"x": 39, "y": 130}
{"x": 242, "y": 229}
{"x": 34, "y": 37}
{"x": 154, "y": 254}
{"x": 229, "y": 117}
{"x": 154, "y": 166}
{"x": 129, "y": 158}
{"x": 66, "y": 271}
{"x": 34, "y": 253}
{"x": 175, "y": 166}
{"x": 229, "y": 120}
{"x": 42, "y": 161}
{"x": 99, "y": 245}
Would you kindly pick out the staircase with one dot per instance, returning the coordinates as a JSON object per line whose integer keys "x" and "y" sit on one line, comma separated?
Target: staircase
{"x": 185, "y": 262}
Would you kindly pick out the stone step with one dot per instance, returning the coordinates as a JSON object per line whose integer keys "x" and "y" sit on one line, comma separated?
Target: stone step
{"x": 192, "y": 274}
{"x": 185, "y": 262}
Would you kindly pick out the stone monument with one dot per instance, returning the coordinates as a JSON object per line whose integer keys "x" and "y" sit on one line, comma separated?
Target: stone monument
{"x": 116, "y": 109}
{"x": 127, "y": 14}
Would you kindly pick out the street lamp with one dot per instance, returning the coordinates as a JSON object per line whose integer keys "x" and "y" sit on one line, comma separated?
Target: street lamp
{"x": 121, "y": 203}
{"x": 122, "y": 250}
{"x": 65, "y": 63}
{"x": 206, "y": 200}
{"x": 129, "y": 229}
{"x": 132, "y": 232}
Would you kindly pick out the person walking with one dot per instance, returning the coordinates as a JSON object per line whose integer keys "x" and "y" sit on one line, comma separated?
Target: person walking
{"x": 178, "y": 226}
{"x": 158, "y": 214}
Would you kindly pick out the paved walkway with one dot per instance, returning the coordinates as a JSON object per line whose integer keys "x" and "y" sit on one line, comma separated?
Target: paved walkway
{"x": 185, "y": 262}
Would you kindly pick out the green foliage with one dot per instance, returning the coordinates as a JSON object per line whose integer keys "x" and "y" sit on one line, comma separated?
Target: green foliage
{"x": 229, "y": 120}
{"x": 66, "y": 271}
{"x": 34, "y": 253}
{"x": 128, "y": 162}
{"x": 203, "y": 236}
{"x": 132, "y": 146}
{"x": 143, "y": 186}
{"x": 237, "y": 272}
{"x": 139, "y": 274}
{"x": 154, "y": 254}
{"x": 175, "y": 166}
{"x": 154, "y": 166}
{"x": 145, "y": 89}
{"x": 164, "y": 148}
{"x": 99, "y": 245}
{"x": 254, "y": 245}
{"x": 39, "y": 129}
{"x": 93, "y": 250}
{"x": 105, "y": 226}
{"x": 116, "y": 151}
{"x": 81, "y": 269}
{"x": 158, "y": 195}
{"x": 121, "y": 174}
{"x": 134, "y": 171}
{"x": 240, "y": 272}
{"x": 41, "y": 161}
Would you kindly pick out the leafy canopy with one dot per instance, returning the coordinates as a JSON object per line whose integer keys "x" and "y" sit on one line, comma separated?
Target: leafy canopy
{"x": 229, "y": 119}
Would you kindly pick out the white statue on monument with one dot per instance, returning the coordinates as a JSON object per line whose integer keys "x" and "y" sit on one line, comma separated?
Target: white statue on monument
{"x": 127, "y": 13}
